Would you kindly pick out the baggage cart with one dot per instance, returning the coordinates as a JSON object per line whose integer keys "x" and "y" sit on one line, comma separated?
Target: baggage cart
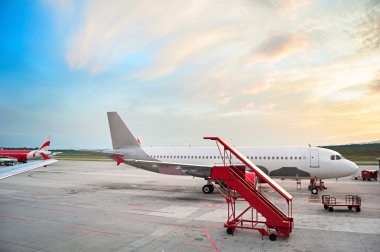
{"x": 352, "y": 201}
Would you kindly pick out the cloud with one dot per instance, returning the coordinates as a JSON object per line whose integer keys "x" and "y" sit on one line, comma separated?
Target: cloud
{"x": 289, "y": 8}
{"x": 224, "y": 100}
{"x": 256, "y": 89}
{"x": 278, "y": 47}
{"x": 367, "y": 29}
{"x": 237, "y": 58}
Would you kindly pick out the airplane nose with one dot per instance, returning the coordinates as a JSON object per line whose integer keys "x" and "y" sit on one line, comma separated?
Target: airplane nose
{"x": 354, "y": 168}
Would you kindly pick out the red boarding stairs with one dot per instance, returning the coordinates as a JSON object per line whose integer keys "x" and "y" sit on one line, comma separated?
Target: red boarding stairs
{"x": 233, "y": 179}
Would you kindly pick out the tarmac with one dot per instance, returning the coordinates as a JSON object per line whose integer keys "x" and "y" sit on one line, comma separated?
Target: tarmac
{"x": 98, "y": 206}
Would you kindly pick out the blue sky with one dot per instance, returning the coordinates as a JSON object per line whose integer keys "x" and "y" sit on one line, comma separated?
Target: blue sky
{"x": 255, "y": 72}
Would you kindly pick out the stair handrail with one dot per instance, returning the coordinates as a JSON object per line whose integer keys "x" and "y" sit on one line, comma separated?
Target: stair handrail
{"x": 252, "y": 188}
{"x": 251, "y": 165}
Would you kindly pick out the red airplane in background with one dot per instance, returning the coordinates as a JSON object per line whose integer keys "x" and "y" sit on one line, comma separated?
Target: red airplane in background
{"x": 25, "y": 155}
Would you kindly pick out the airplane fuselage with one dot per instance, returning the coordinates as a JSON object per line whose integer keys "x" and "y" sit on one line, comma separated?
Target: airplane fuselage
{"x": 281, "y": 162}
{"x": 23, "y": 155}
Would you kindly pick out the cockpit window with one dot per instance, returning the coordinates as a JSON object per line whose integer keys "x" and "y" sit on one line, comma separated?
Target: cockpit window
{"x": 336, "y": 157}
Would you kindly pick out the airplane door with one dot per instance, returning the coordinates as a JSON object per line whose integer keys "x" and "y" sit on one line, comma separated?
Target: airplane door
{"x": 314, "y": 158}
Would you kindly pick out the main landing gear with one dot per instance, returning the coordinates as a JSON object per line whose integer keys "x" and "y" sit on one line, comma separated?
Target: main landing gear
{"x": 207, "y": 189}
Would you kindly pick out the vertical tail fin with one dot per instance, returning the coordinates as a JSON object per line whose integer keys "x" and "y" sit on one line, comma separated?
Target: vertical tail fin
{"x": 122, "y": 138}
{"x": 46, "y": 145}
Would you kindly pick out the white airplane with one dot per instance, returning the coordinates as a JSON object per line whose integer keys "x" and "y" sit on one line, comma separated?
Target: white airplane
{"x": 277, "y": 162}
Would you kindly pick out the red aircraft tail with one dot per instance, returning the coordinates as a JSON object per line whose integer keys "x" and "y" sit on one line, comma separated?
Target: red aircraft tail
{"x": 45, "y": 146}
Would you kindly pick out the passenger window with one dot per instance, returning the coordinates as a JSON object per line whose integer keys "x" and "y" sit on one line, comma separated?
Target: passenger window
{"x": 286, "y": 158}
{"x": 259, "y": 157}
{"x": 295, "y": 157}
{"x": 264, "y": 157}
{"x": 255, "y": 157}
{"x": 332, "y": 157}
{"x": 291, "y": 157}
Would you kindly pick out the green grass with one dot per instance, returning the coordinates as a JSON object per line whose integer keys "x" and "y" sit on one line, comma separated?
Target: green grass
{"x": 359, "y": 153}
{"x": 81, "y": 156}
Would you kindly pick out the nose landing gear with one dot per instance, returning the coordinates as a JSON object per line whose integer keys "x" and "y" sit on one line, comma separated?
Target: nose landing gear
{"x": 314, "y": 186}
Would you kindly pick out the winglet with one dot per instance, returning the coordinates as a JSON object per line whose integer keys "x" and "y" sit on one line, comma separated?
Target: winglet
{"x": 119, "y": 160}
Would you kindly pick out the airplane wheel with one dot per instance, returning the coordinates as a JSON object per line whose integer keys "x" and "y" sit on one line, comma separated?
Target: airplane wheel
{"x": 326, "y": 206}
{"x": 349, "y": 207}
{"x": 331, "y": 209}
{"x": 230, "y": 231}
{"x": 272, "y": 237}
{"x": 207, "y": 189}
{"x": 358, "y": 209}
{"x": 314, "y": 191}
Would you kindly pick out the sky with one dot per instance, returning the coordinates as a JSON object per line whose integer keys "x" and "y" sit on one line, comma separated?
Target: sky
{"x": 258, "y": 73}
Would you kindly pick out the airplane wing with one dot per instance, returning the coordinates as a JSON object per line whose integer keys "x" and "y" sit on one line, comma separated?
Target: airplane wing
{"x": 171, "y": 168}
{"x": 203, "y": 171}
{"x": 13, "y": 170}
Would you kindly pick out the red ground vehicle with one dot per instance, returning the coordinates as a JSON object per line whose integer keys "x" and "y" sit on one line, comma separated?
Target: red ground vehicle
{"x": 352, "y": 201}
{"x": 369, "y": 174}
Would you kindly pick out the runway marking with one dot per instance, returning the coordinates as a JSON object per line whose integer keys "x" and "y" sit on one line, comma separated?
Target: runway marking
{"x": 340, "y": 223}
{"x": 214, "y": 205}
{"x": 135, "y": 203}
{"x": 174, "y": 211}
{"x": 197, "y": 245}
{"x": 210, "y": 239}
{"x": 218, "y": 215}
{"x": 90, "y": 230}
{"x": 8, "y": 191}
{"x": 12, "y": 217}
{"x": 334, "y": 222}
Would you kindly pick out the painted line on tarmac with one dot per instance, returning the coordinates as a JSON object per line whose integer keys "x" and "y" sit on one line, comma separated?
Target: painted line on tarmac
{"x": 210, "y": 239}
{"x": 91, "y": 230}
{"x": 12, "y": 218}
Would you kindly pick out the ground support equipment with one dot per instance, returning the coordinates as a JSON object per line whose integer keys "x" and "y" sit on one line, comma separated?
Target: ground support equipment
{"x": 261, "y": 214}
{"x": 352, "y": 201}
{"x": 369, "y": 174}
